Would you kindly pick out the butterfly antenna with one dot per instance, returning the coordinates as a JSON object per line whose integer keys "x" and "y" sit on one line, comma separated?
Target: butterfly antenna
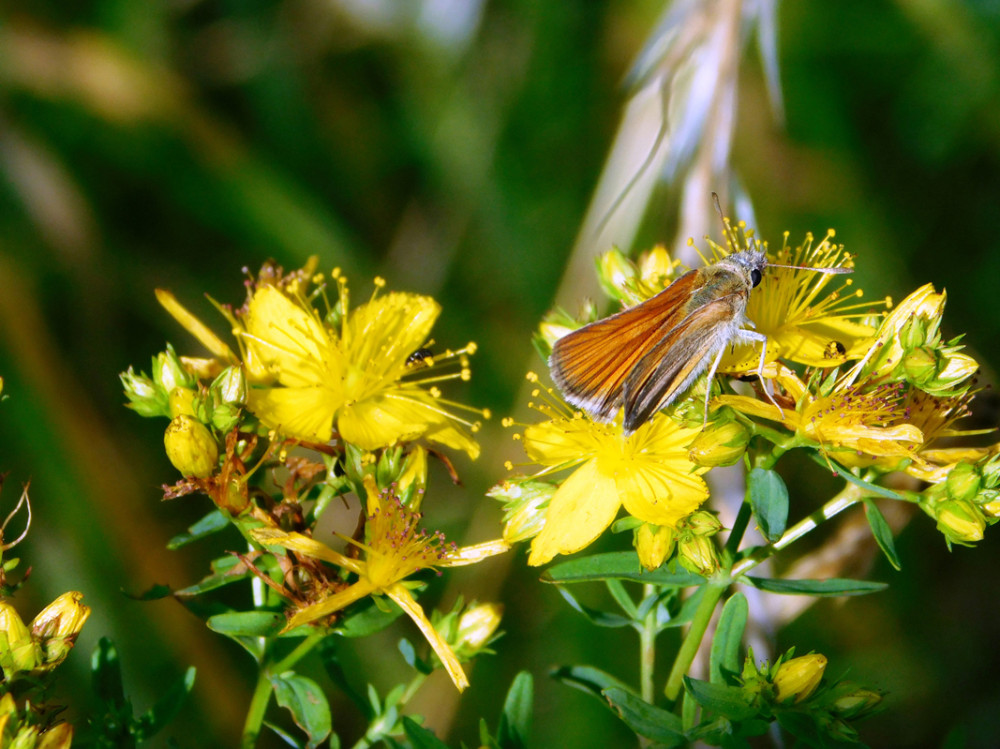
{"x": 731, "y": 236}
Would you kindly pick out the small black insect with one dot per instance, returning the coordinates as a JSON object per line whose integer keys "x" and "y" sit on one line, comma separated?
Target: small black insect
{"x": 422, "y": 356}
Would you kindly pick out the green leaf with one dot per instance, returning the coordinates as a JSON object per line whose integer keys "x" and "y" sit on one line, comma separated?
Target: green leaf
{"x": 769, "y": 500}
{"x": 725, "y": 653}
{"x": 420, "y": 737}
{"x": 247, "y": 623}
{"x": 645, "y": 719}
{"x": 155, "y": 593}
{"x": 844, "y": 473}
{"x": 213, "y": 522}
{"x": 730, "y": 702}
{"x": 307, "y": 703}
{"x": 515, "y": 720}
{"x": 595, "y": 616}
{"x": 154, "y": 719}
{"x": 882, "y": 533}
{"x": 106, "y": 672}
{"x": 589, "y": 679}
{"x": 223, "y": 574}
{"x": 623, "y": 565}
{"x": 834, "y": 586}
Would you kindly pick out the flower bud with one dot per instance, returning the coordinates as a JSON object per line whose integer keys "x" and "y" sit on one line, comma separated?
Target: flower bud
{"x": 921, "y": 365}
{"x": 57, "y": 626}
{"x": 181, "y": 402}
{"x": 855, "y": 702}
{"x": 144, "y": 396}
{"x": 720, "y": 444}
{"x": 525, "y": 503}
{"x": 476, "y": 628}
{"x": 191, "y": 447}
{"x": 954, "y": 368}
{"x": 25, "y": 738}
{"x": 655, "y": 266}
{"x": 799, "y": 677}
{"x": 57, "y": 737}
{"x": 551, "y": 332}
{"x": 230, "y": 386}
{"x": 654, "y": 544}
{"x": 614, "y": 271}
{"x": 18, "y": 651}
{"x": 412, "y": 479}
{"x": 169, "y": 372}
{"x": 964, "y": 482}
{"x": 960, "y": 521}
{"x": 702, "y": 523}
{"x": 697, "y": 554}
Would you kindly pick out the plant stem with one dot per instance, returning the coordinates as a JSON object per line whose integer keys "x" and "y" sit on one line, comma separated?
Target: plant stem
{"x": 262, "y": 691}
{"x": 847, "y": 496}
{"x": 255, "y": 715}
{"x": 647, "y": 646}
{"x": 692, "y": 640}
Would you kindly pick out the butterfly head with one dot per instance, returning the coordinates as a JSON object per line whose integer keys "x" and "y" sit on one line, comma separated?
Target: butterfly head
{"x": 749, "y": 264}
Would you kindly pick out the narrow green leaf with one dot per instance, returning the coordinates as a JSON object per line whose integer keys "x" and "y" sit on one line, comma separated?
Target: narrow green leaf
{"x": 725, "y": 654}
{"x": 834, "y": 586}
{"x": 645, "y": 719}
{"x": 154, "y": 719}
{"x": 420, "y": 737}
{"x": 307, "y": 703}
{"x": 845, "y": 473}
{"x": 369, "y": 619}
{"x": 622, "y": 598}
{"x": 730, "y": 702}
{"x": 213, "y": 522}
{"x": 515, "y": 720}
{"x": 247, "y": 623}
{"x": 595, "y": 616}
{"x": 769, "y": 500}
{"x": 154, "y": 593}
{"x": 623, "y": 565}
{"x": 882, "y": 533}
{"x": 224, "y": 572}
{"x": 589, "y": 679}
{"x": 106, "y": 672}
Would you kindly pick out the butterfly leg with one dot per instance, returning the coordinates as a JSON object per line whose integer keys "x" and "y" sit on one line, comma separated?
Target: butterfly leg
{"x": 708, "y": 381}
{"x": 751, "y": 335}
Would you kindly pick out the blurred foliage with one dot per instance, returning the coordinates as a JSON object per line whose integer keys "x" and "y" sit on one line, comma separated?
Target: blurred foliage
{"x": 451, "y": 147}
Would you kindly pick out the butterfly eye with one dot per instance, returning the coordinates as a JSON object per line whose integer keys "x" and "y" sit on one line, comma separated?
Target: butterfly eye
{"x": 754, "y": 278}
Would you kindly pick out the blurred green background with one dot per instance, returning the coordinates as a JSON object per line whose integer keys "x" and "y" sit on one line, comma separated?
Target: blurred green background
{"x": 451, "y": 146}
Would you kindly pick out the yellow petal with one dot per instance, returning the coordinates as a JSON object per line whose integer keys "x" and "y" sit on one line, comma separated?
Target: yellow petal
{"x": 297, "y": 542}
{"x": 329, "y": 605}
{"x": 559, "y": 441}
{"x": 288, "y": 340}
{"x": 194, "y": 326}
{"x": 388, "y": 329}
{"x": 754, "y": 407}
{"x": 578, "y": 513}
{"x": 476, "y": 553}
{"x": 661, "y": 496}
{"x": 402, "y": 597}
{"x": 302, "y": 412}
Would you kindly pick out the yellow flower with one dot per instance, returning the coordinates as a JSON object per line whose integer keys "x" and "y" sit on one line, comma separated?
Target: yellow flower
{"x": 804, "y": 320}
{"x": 395, "y": 549}
{"x": 858, "y": 422}
{"x": 357, "y": 376}
{"x": 648, "y": 472}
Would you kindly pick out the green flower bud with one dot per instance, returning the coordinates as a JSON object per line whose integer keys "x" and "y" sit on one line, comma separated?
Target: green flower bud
{"x": 697, "y": 554}
{"x": 170, "y": 373}
{"x": 854, "y": 702}
{"x": 26, "y": 738}
{"x": 702, "y": 523}
{"x": 964, "y": 482}
{"x": 654, "y": 544}
{"x": 412, "y": 479}
{"x": 230, "y": 387}
{"x": 960, "y": 521}
{"x": 921, "y": 365}
{"x": 799, "y": 677}
{"x": 913, "y": 333}
{"x": 720, "y": 444}
{"x": 615, "y": 271}
{"x": 57, "y": 737}
{"x": 145, "y": 397}
{"x": 476, "y": 627}
{"x": 525, "y": 503}
{"x": 181, "y": 402}
{"x": 191, "y": 447}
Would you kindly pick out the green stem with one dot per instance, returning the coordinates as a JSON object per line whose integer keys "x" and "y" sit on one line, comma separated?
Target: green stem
{"x": 255, "y": 715}
{"x": 692, "y": 640}
{"x": 647, "y": 647}
{"x": 847, "y": 496}
{"x": 262, "y": 691}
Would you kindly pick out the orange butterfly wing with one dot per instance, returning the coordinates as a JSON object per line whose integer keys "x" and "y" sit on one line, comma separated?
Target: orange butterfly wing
{"x": 591, "y": 365}
{"x": 679, "y": 357}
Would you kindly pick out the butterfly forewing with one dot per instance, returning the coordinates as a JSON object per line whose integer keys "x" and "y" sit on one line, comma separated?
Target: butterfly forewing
{"x": 591, "y": 365}
{"x": 676, "y": 360}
